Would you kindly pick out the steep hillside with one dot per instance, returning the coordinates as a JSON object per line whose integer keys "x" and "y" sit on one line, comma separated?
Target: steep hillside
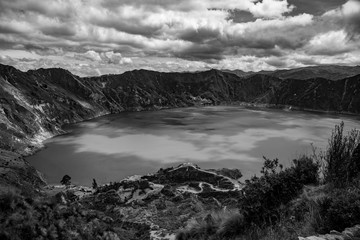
{"x": 34, "y": 105}
{"x": 321, "y": 94}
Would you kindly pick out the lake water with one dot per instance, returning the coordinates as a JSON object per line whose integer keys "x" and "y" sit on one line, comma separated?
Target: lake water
{"x": 112, "y": 147}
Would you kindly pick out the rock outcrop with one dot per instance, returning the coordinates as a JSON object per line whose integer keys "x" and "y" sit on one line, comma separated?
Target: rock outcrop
{"x": 167, "y": 204}
{"x": 352, "y": 233}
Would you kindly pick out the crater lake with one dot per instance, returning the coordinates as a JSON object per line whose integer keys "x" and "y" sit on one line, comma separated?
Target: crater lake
{"x": 112, "y": 147}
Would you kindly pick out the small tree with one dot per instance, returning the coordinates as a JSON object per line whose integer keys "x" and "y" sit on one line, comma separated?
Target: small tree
{"x": 94, "y": 184}
{"x": 66, "y": 180}
{"x": 342, "y": 164}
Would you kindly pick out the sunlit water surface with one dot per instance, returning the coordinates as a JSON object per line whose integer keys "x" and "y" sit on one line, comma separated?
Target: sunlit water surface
{"x": 112, "y": 147}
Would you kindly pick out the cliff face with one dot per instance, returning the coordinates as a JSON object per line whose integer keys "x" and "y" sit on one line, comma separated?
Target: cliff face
{"x": 35, "y": 104}
{"x": 320, "y": 94}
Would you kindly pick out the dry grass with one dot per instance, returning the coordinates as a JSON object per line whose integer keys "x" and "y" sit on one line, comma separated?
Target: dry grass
{"x": 224, "y": 224}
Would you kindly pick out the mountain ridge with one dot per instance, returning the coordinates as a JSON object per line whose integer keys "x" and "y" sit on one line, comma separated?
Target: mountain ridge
{"x": 34, "y": 105}
{"x": 332, "y": 72}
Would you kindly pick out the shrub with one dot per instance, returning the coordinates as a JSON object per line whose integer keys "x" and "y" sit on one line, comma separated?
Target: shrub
{"x": 9, "y": 200}
{"x": 305, "y": 210}
{"x": 94, "y": 184}
{"x": 342, "y": 161}
{"x": 225, "y": 224}
{"x": 232, "y": 226}
{"x": 306, "y": 170}
{"x": 66, "y": 180}
{"x": 44, "y": 219}
{"x": 260, "y": 206}
{"x": 264, "y": 195}
{"x": 340, "y": 209}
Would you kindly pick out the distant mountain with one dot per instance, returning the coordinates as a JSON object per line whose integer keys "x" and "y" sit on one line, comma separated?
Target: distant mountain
{"x": 330, "y": 72}
{"x": 243, "y": 74}
{"x": 34, "y": 105}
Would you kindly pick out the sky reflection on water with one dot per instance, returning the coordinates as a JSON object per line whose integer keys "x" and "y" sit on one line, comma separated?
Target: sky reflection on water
{"x": 112, "y": 147}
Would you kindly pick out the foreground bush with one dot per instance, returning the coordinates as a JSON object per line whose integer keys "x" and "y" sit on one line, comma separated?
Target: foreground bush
{"x": 342, "y": 158}
{"x": 323, "y": 208}
{"x": 261, "y": 204}
{"x": 340, "y": 209}
{"x": 263, "y": 196}
{"x": 215, "y": 226}
{"x": 44, "y": 218}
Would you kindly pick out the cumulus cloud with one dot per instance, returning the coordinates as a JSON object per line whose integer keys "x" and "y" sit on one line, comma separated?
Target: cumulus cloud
{"x": 109, "y": 57}
{"x": 330, "y": 43}
{"x": 115, "y": 58}
{"x": 92, "y": 55}
{"x": 265, "y": 8}
{"x": 347, "y": 15}
{"x": 190, "y": 34}
{"x": 271, "y": 8}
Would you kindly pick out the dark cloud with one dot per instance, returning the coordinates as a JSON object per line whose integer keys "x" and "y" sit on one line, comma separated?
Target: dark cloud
{"x": 275, "y": 52}
{"x": 328, "y": 52}
{"x": 276, "y": 62}
{"x": 49, "y": 8}
{"x": 272, "y": 37}
{"x": 345, "y": 17}
{"x": 129, "y": 26}
{"x": 8, "y": 29}
{"x": 307, "y": 61}
{"x": 200, "y": 35}
{"x": 59, "y": 31}
{"x": 5, "y": 44}
{"x": 239, "y": 16}
{"x": 206, "y": 52}
{"x": 353, "y": 24}
{"x": 314, "y": 7}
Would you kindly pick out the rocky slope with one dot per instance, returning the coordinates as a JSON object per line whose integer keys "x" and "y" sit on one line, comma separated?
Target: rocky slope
{"x": 34, "y": 105}
{"x": 167, "y": 200}
{"x": 138, "y": 207}
{"x": 163, "y": 202}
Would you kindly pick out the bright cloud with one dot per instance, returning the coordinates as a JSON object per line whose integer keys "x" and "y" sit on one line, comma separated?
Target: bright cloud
{"x": 115, "y": 36}
{"x": 330, "y": 43}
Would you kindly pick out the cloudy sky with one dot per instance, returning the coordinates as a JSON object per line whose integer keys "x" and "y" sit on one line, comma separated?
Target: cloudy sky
{"x": 92, "y": 37}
